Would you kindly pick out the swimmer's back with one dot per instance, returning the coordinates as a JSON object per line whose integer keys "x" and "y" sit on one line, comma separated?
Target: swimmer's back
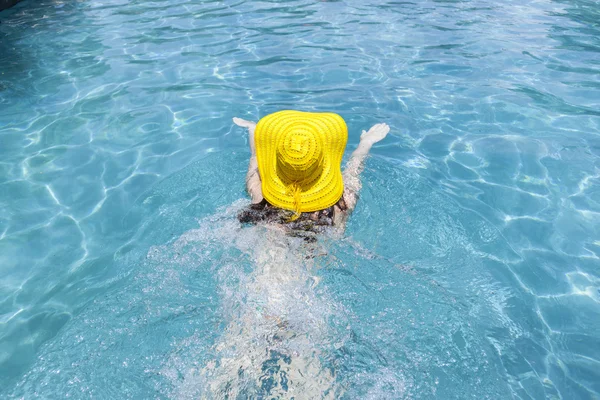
{"x": 265, "y": 213}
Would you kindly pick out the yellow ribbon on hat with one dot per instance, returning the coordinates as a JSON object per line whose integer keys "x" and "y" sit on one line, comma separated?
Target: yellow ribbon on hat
{"x": 299, "y": 158}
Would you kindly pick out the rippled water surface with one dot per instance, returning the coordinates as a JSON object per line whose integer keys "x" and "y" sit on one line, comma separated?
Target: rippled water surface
{"x": 470, "y": 268}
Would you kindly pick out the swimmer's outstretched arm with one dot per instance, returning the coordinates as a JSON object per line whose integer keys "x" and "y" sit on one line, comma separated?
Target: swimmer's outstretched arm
{"x": 253, "y": 183}
{"x": 356, "y": 163}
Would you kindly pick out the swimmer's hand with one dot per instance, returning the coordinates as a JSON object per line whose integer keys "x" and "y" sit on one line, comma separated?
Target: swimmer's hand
{"x": 243, "y": 123}
{"x": 377, "y": 133}
{"x": 251, "y": 126}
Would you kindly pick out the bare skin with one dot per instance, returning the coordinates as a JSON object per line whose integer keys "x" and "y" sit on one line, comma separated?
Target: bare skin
{"x": 351, "y": 174}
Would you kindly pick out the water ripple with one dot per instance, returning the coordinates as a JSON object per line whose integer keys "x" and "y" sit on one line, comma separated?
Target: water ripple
{"x": 470, "y": 268}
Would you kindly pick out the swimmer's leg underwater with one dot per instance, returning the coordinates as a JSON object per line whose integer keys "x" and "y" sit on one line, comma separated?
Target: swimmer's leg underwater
{"x": 272, "y": 345}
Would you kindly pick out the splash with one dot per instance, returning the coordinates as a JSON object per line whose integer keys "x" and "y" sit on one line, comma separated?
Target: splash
{"x": 278, "y": 336}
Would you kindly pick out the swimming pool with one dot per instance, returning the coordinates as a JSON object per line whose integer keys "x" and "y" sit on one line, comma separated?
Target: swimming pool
{"x": 470, "y": 268}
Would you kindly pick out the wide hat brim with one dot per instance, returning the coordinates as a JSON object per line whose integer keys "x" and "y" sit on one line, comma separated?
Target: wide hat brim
{"x": 330, "y": 133}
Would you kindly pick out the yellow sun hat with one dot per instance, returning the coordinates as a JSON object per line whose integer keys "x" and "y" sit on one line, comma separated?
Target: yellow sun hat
{"x": 299, "y": 158}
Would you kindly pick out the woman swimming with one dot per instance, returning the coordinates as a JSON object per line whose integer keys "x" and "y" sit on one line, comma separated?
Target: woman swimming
{"x": 277, "y": 341}
{"x": 294, "y": 176}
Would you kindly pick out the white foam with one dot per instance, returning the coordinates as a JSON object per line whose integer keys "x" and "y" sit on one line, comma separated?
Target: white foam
{"x": 277, "y": 332}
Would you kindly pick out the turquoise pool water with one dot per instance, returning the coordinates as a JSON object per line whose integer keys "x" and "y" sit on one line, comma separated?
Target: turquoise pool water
{"x": 470, "y": 268}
